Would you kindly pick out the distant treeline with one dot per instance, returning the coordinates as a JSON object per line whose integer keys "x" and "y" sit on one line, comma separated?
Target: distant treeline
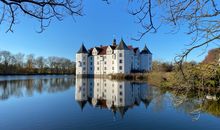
{"x": 29, "y": 64}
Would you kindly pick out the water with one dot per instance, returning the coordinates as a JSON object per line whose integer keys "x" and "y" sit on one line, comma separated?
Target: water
{"x": 63, "y": 102}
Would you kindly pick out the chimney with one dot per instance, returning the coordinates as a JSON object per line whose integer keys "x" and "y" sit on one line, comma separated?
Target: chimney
{"x": 114, "y": 42}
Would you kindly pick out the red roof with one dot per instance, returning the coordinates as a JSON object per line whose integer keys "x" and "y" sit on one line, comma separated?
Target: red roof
{"x": 102, "y": 49}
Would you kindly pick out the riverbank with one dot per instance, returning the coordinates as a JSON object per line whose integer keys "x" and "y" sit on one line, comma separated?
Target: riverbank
{"x": 166, "y": 80}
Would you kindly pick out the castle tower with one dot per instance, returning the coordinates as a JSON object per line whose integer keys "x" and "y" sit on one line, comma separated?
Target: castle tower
{"x": 81, "y": 61}
{"x": 122, "y": 58}
{"x": 146, "y": 59}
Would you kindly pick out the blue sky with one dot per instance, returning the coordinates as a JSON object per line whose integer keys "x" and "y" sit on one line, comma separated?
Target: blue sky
{"x": 100, "y": 24}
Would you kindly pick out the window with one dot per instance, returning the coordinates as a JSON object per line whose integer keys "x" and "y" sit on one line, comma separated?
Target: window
{"x": 120, "y": 99}
{"x": 84, "y": 68}
{"x": 97, "y": 63}
{"x": 105, "y": 62}
{"x": 97, "y": 68}
{"x": 105, "y": 68}
{"x": 84, "y": 57}
{"x": 120, "y": 54}
{"x": 113, "y": 56}
{"x": 112, "y": 62}
{"x": 112, "y": 68}
{"x": 79, "y": 64}
{"x": 120, "y": 61}
{"x": 91, "y": 58}
{"x": 84, "y": 63}
{"x": 90, "y": 63}
{"x": 120, "y": 67}
{"x": 120, "y": 86}
{"x": 120, "y": 93}
{"x": 90, "y": 68}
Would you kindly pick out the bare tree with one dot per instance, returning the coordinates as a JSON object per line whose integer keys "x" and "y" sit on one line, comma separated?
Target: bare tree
{"x": 42, "y": 10}
{"x": 40, "y": 63}
{"x": 30, "y": 63}
{"x": 200, "y": 17}
{"x": 6, "y": 59}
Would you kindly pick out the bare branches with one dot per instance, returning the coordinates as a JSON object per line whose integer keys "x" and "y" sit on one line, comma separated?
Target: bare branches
{"x": 145, "y": 17}
{"x": 42, "y": 10}
{"x": 201, "y": 18}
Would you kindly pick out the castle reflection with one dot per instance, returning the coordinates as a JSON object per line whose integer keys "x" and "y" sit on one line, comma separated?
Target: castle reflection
{"x": 118, "y": 96}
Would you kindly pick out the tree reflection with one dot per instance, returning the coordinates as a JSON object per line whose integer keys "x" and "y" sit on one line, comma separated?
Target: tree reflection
{"x": 195, "y": 103}
{"x": 30, "y": 85}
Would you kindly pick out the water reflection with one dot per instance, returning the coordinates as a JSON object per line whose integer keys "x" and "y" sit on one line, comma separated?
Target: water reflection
{"x": 117, "y": 96}
{"x": 120, "y": 96}
{"x": 28, "y": 85}
{"x": 195, "y": 103}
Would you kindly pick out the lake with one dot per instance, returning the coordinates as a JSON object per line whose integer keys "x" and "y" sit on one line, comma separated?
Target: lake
{"x": 63, "y": 102}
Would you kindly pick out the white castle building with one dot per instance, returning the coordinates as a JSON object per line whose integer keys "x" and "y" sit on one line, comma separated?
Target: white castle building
{"x": 113, "y": 59}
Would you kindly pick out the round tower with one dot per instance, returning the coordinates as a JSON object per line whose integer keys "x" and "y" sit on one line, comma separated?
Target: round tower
{"x": 146, "y": 59}
{"x": 82, "y": 61}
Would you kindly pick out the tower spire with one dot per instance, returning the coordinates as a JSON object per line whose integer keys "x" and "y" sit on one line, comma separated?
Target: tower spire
{"x": 82, "y": 49}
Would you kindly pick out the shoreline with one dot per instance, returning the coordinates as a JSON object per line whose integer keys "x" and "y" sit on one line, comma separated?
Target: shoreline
{"x": 32, "y": 74}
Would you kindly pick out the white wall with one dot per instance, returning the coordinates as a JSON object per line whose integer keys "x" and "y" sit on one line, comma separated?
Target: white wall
{"x": 81, "y": 63}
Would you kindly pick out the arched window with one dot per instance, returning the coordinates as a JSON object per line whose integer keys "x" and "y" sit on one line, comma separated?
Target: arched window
{"x": 79, "y": 63}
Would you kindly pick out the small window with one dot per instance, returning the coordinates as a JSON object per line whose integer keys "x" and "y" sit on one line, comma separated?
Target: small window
{"x": 120, "y": 67}
{"x": 120, "y": 93}
{"x": 84, "y": 63}
{"x": 112, "y": 62}
{"x": 112, "y": 68}
{"x": 97, "y": 68}
{"x": 120, "y": 54}
{"x": 90, "y": 63}
{"x": 120, "y": 99}
{"x": 90, "y": 68}
{"x": 105, "y": 68}
{"x": 120, "y": 86}
{"x": 120, "y": 61}
{"x": 97, "y": 63}
{"x": 105, "y": 62}
{"x": 84, "y": 68}
{"x": 79, "y": 64}
{"x": 84, "y": 57}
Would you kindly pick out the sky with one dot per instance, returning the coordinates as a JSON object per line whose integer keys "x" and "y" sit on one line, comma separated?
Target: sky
{"x": 99, "y": 25}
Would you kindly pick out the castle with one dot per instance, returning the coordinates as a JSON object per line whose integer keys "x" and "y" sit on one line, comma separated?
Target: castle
{"x": 112, "y": 59}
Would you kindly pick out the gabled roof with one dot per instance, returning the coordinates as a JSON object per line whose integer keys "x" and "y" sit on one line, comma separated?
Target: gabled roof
{"x": 103, "y": 50}
{"x": 82, "y": 49}
{"x": 145, "y": 50}
{"x": 122, "y": 46}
